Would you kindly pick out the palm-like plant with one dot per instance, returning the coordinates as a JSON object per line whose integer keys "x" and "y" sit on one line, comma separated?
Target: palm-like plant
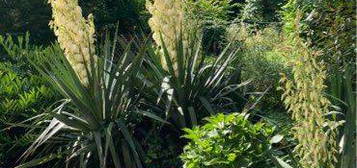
{"x": 195, "y": 88}
{"x": 91, "y": 124}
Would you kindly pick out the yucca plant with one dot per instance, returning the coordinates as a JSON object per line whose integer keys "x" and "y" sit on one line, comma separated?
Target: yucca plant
{"x": 196, "y": 88}
{"x": 176, "y": 64}
{"x": 91, "y": 124}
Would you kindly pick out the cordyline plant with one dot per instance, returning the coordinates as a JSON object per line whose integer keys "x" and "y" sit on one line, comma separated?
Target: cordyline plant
{"x": 90, "y": 126}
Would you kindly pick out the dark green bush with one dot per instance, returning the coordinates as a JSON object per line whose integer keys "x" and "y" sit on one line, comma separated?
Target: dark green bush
{"x": 260, "y": 13}
{"x": 130, "y": 14}
{"x": 19, "y": 16}
{"x": 227, "y": 141}
{"x": 213, "y": 39}
{"x": 270, "y": 11}
{"x": 23, "y": 94}
{"x": 213, "y": 17}
{"x": 162, "y": 148}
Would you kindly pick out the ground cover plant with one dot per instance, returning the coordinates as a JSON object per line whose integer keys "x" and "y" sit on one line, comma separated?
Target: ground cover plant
{"x": 178, "y": 84}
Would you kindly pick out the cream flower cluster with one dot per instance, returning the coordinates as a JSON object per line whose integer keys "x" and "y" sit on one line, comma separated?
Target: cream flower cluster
{"x": 75, "y": 34}
{"x": 168, "y": 20}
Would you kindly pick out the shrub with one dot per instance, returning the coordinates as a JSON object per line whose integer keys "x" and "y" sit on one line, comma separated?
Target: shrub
{"x": 253, "y": 11}
{"x": 260, "y": 13}
{"x": 227, "y": 141}
{"x": 261, "y": 59}
{"x": 213, "y": 17}
{"x": 209, "y": 9}
{"x": 23, "y": 94}
{"x": 213, "y": 39}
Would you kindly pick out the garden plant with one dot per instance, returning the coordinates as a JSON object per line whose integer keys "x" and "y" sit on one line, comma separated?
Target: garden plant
{"x": 178, "y": 84}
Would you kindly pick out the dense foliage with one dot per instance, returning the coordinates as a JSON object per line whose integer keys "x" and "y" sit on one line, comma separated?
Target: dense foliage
{"x": 329, "y": 27}
{"x": 261, "y": 60}
{"x": 19, "y": 17}
{"x": 23, "y": 94}
{"x": 213, "y": 17}
{"x": 227, "y": 141}
{"x": 178, "y": 83}
{"x": 260, "y": 12}
{"x": 304, "y": 98}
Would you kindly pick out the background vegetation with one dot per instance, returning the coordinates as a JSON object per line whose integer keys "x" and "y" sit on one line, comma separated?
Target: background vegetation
{"x": 236, "y": 96}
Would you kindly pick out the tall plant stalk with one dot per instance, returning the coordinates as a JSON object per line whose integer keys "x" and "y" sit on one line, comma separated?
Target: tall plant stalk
{"x": 75, "y": 34}
{"x": 167, "y": 23}
{"x": 304, "y": 97}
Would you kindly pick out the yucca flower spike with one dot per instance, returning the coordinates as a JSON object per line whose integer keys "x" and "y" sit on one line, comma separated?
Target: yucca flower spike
{"x": 75, "y": 34}
{"x": 167, "y": 21}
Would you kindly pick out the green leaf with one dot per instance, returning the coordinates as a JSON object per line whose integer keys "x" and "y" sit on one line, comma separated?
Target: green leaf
{"x": 38, "y": 161}
{"x": 207, "y": 105}
{"x": 281, "y": 163}
{"x": 153, "y": 116}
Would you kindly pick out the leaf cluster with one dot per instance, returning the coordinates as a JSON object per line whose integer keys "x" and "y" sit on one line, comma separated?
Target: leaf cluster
{"x": 23, "y": 94}
{"x": 227, "y": 141}
{"x": 197, "y": 88}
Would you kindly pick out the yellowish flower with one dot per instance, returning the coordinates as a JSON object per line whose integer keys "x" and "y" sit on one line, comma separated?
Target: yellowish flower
{"x": 75, "y": 34}
{"x": 168, "y": 20}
